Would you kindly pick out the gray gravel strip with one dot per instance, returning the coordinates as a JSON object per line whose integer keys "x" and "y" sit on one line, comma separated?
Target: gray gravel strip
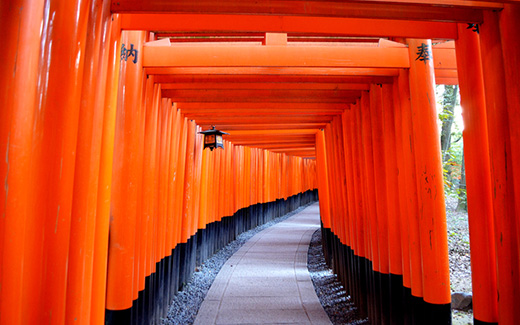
{"x": 338, "y": 305}
{"x": 186, "y": 303}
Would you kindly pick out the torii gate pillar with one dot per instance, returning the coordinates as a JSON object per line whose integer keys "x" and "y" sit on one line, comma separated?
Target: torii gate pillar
{"x": 432, "y": 213}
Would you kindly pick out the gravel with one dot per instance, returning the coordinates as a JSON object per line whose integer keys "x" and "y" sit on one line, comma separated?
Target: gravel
{"x": 332, "y": 295}
{"x": 458, "y": 246}
{"x": 186, "y": 303}
{"x": 337, "y": 304}
{"x": 459, "y": 256}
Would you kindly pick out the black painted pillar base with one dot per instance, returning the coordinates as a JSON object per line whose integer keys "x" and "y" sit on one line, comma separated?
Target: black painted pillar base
{"x": 175, "y": 270}
{"x": 380, "y": 296}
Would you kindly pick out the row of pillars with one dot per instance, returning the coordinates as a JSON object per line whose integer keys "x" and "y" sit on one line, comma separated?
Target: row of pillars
{"x": 381, "y": 185}
{"x": 102, "y": 179}
{"x": 383, "y": 214}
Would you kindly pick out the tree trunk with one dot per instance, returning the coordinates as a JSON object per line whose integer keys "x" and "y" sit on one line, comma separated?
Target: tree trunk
{"x": 449, "y": 101}
{"x": 462, "y": 205}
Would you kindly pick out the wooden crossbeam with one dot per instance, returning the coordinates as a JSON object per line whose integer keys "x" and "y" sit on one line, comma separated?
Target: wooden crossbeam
{"x": 275, "y": 56}
{"x": 265, "y": 85}
{"x": 291, "y": 96}
{"x": 262, "y": 119}
{"x": 260, "y": 106}
{"x": 448, "y": 10}
{"x": 285, "y": 126}
{"x": 277, "y": 71}
{"x": 244, "y": 78}
{"x": 289, "y": 24}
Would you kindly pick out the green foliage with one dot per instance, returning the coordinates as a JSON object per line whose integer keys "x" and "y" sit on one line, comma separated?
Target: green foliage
{"x": 444, "y": 115}
{"x": 452, "y": 165}
{"x": 452, "y": 157}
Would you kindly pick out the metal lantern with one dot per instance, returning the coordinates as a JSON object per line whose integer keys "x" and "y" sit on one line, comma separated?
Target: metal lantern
{"x": 213, "y": 138}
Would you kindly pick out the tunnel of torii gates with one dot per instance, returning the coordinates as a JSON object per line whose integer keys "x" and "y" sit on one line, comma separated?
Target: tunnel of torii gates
{"x": 108, "y": 201}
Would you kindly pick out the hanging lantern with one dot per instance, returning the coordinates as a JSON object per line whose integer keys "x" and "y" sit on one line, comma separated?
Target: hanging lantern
{"x": 213, "y": 138}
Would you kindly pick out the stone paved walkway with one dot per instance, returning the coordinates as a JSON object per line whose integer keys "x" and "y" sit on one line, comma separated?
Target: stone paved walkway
{"x": 266, "y": 281}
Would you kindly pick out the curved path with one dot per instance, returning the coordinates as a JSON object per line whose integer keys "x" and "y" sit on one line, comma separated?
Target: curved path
{"x": 266, "y": 281}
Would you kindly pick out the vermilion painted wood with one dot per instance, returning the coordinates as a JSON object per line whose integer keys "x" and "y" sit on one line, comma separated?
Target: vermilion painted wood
{"x": 165, "y": 174}
{"x": 287, "y": 146}
{"x": 19, "y": 239}
{"x": 321, "y": 162}
{"x": 353, "y": 128}
{"x": 411, "y": 190}
{"x": 267, "y": 95}
{"x": 86, "y": 180}
{"x": 181, "y": 175}
{"x": 510, "y": 14}
{"x": 288, "y": 56}
{"x": 500, "y": 144}
{"x": 338, "y": 167}
{"x": 478, "y": 178}
{"x": 105, "y": 177}
{"x": 289, "y": 24}
{"x": 381, "y": 10}
{"x": 434, "y": 243}
{"x": 149, "y": 189}
{"x": 331, "y": 182}
{"x": 188, "y": 107}
{"x": 342, "y": 166}
{"x": 225, "y": 77}
{"x": 124, "y": 190}
{"x": 172, "y": 173}
{"x": 266, "y": 85}
{"x": 263, "y": 120}
{"x": 392, "y": 191}
{"x": 176, "y": 167}
{"x": 368, "y": 152}
{"x": 308, "y": 72}
{"x": 274, "y": 56}
{"x": 303, "y": 126}
{"x": 311, "y": 74}
{"x": 380, "y": 181}
{"x": 401, "y": 186}
{"x": 55, "y": 130}
{"x": 187, "y": 207}
{"x": 199, "y": 145}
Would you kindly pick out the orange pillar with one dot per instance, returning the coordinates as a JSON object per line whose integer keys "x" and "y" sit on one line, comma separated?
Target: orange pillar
{"x": 149, "y": 174}
{"x": 402, "y": 193}
{"x": 509, "y": 17}
{"x": 380, "y": 201}
{"x": 99, "y": 273}
{"x": 352, "y": 203}
{"x": 323, "y": 187}
{"x": 393, "y": 208}
{"x": 500, "y": 144}
{"x": 434, "y": 242}
{"x": 358, "y": 215}
{"x": 19, "y": 271}
{"x": 55, "y": 139}
{"x": 120, "y": 279}
{"x": 478, "y": 177}
{"x": 90, "y": 131}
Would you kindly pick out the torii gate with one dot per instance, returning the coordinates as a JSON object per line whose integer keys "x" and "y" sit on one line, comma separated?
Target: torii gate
{"x": 101, "y": 101}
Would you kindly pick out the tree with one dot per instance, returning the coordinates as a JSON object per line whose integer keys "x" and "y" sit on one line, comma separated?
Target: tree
{"x": 452, "y": 148}
{"x": 447, "y": 116}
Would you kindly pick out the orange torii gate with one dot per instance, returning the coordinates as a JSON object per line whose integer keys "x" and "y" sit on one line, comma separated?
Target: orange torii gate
{"x": 108, "y": 194}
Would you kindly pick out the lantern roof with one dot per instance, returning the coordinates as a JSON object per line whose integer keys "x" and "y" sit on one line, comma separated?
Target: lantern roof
{"x": 212, "y": 131}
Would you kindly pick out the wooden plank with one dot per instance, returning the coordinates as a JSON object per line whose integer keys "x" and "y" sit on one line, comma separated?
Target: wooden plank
{"x": 265, "y": 85}
{"x": 234, "y": 78}
{"x": 451, "y": 11}
{"x": 275, "y": 56}
{"x": 198, "y": 23}
{"x": 277, "y": 71}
